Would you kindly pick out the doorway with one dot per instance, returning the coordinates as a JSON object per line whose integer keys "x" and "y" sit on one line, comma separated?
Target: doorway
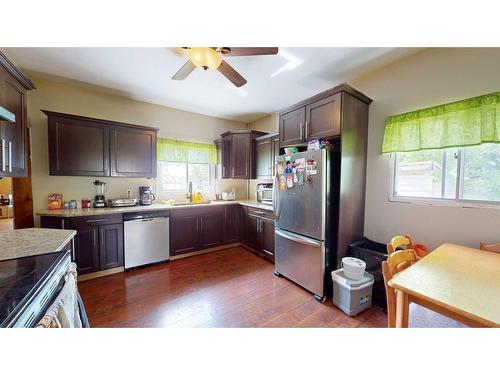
{"x": 6, "y": 204}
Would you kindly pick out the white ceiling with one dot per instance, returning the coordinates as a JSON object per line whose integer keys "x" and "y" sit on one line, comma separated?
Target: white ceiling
{"x": 274, "y": 82}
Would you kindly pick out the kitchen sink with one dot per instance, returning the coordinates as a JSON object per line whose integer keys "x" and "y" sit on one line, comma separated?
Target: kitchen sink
{"x": 190, "y": 203}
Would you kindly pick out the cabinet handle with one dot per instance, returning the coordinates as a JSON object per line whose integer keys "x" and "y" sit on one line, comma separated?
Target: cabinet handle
{"x": 300, "y": 130}
{"x": 3, "y": 155}
{"x": 201, "y": 224}
{"x": 10, "y": 156}
{"x": 258, "y": 212}
{"x": 73, "y": 254}
{"x": 258, "y": 226}
{"x": 306, "y": 133}
{"x": 96, "y": 220}
{"x": 261, "y": 224}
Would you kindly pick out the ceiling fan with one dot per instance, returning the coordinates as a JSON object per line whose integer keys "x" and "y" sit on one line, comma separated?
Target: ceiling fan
{"x": 212, "y": 58}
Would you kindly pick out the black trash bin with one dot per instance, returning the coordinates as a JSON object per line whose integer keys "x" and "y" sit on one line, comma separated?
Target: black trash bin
{"x": 373, "y": 254}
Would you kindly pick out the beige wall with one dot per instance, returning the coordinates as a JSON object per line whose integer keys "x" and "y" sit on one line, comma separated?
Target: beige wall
{"x": 268, "y": 124}
{"x": 428, "y": 78}
{"x": 85, "y": 101}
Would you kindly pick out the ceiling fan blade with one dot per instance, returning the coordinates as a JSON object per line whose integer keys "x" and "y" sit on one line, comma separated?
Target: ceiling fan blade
{"x": 183, "y": 72}
{"x": 231, "y": 74}
{"x": 248, "y": 51}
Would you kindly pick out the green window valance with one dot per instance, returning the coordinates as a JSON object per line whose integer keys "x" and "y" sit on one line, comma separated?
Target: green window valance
{"x": 464, "y": 123}
{"x": 186, "y": 152}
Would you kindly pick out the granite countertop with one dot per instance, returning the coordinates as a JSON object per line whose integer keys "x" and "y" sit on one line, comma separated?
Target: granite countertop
{"x": 152, "y": 207}
{"x": 20, "y": 243}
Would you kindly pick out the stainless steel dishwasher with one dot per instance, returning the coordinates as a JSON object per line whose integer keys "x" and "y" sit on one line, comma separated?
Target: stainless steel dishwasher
{"x": 146, "y": 237}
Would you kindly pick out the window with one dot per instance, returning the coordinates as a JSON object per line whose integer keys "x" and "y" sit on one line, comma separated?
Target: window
{"x": 459, "y": 174}
{"x": 176, "y": 176}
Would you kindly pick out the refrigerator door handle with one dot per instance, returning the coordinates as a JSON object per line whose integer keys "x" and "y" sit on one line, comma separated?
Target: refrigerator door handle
{"x": 298, "y": 238}
{"x": 276, "y": 198}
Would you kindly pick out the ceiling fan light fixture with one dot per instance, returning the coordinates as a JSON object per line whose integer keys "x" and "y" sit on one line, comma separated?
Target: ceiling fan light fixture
{"x": 204, "y": 57}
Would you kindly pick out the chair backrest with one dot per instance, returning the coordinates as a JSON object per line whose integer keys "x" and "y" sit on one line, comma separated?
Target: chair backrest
{"x": 395, "y": 263}
{"x": 405, "y": 242}
{"x": 495, "y": 247}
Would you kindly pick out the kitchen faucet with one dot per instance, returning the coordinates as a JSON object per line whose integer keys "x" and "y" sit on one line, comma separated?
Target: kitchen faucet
{"x": 189, "y": 194}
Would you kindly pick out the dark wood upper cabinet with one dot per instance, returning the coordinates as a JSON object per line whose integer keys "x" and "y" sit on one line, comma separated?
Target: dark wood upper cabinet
{"x": 238, "y": 154}
{"x": 241, "y": 155}
{"x": 13, "y": 135}
{"x": 133, "y": 152}
{"x": 83, "y": 146}
{"x": 323, "y": 117}
{"x": 263, "y": 148}
{"x": 320, "y": 116}
{"x": 111, "y": 246}
{"x": 226, "y": 156}
{"x": 291, "y": 127}
{"x": 78, "y": 148}
{"x": 266, "y": 147}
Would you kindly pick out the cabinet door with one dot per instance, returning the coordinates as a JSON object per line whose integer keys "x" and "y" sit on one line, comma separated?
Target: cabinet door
{"x": 267, "y": 233}
{"x": 111, "y": 246}
{"x": 275, "y": 152}
{"x": 183, "y": 234}
{"x": 87, "y": 249}
{"x": 243, "y": 225}
{"x": 210, "y": 228}
{"x": 226, "y": 156}
{"x": 263, "y": 149}
{"x": 78, "y": 148}
{"x": 13, "y": 134}
{"x": 291, "y": 127}
{"x": 253, "y": 232}
{"x": 231, "y": 224}
{"x": 133, "y": 152}
{"x": 323, "y": 117}
{"x": 241, "y": 152}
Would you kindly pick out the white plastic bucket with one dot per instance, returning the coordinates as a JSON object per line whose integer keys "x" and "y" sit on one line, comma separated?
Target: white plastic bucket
{"x": 354, "y": 268}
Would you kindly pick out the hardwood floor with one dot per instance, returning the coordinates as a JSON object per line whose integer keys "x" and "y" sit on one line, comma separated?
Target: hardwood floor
{"x": 227, "y": 288}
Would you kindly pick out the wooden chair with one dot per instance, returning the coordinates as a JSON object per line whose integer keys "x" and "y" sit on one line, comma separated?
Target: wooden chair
{"x": 495, "y": 247}
{"x": 396, "y": 262}
{"x": 404, "y": 242}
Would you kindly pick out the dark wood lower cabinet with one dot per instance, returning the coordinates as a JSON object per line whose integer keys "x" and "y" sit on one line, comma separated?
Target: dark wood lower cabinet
{"x": 98, "y": 240}
{"x": 231, "y": 229}
{"x": 111, "y": 246}
{"x": 253, "y": 236}
{"x": 260, "y": 233}
{"x": 87, "y": 249}
{"x": 183, "y": 234}
{"x": 210, "y": 229}
{"x": 267, "y": 234}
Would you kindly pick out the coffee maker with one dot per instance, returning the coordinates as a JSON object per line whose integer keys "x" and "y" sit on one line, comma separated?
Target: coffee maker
{"x": 146, "y": 196}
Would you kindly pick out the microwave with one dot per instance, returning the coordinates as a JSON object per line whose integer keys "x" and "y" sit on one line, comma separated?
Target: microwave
{"x": 264, "y": 193}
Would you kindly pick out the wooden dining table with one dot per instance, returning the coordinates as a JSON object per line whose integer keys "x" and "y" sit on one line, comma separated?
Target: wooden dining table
{"x": 460, "y": 282}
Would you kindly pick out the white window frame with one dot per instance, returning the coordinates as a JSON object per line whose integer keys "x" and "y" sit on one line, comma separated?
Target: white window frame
{"x": 211, "y": 178}
{"x": 454, "y": 202}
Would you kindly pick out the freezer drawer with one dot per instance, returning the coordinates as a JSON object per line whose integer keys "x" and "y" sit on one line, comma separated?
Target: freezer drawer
{"x": 300, "y": 259}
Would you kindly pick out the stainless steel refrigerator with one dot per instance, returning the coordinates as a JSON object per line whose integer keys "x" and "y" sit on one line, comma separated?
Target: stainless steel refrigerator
{"x": 306, "y": 208}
